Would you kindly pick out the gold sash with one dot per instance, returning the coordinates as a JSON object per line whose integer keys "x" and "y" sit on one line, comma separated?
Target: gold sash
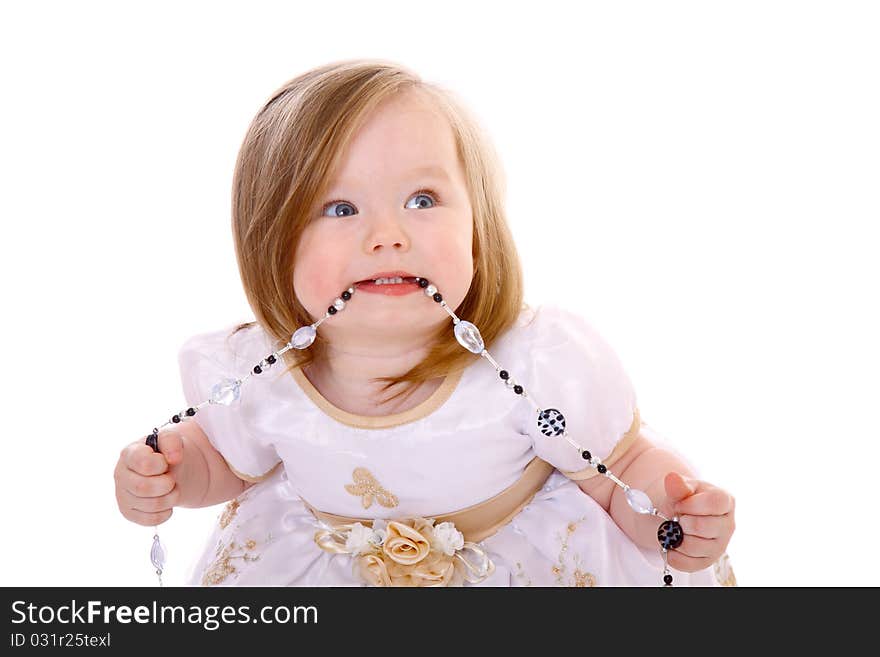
{"x": 480, "y": 520}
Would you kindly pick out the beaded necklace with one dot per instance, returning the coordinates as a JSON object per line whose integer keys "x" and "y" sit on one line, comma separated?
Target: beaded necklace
{"x": 550, "y": 421}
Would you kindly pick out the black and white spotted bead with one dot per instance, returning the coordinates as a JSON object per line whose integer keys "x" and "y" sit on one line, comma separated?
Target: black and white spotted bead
{"x": 551, "y": 422}
{"x": 670, "y": 534}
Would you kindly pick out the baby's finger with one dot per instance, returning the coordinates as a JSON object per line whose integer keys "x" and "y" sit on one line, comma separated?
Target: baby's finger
{"x": 706, "y": 526}
{"x": 148, "y": 519}
{"x": 170, "y": 444}
{"x": 140, "y": 486}
{"x": 156, "y": 504}
{"x": 687, "y": 564}
{"x": 694, "y": 546}
{"x": 712, "y": 502}
{"x": 143, "y": 460}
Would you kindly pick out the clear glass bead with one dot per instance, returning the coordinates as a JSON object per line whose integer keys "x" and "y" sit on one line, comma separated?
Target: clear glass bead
{"x": 639, "y": 501}
{"x": 338, "y": 303}
{"x": 157, "y": 553}
{"x": 226, "y": 392}
{"x": 469, "y": 336}
{"x": 430, "y": 291}
{"x": 303, "y": 337}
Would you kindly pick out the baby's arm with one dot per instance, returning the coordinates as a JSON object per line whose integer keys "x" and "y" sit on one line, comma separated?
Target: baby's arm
{"x": 705, "y": 511}
{"x": 208, "y": 480}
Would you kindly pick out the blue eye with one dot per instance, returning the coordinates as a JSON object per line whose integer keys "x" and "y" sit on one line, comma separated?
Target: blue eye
{"x": 336, "y": 214}
{"x": 426, "y": 193}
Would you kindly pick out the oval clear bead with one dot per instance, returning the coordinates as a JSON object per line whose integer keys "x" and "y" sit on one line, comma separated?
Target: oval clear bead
{"x": 157, "y": 554}
{"x": 469, "y": 337}
{"x": 226, "y": 392}
{"x": 639, "y": 501}
{"x": 303, "y": 337}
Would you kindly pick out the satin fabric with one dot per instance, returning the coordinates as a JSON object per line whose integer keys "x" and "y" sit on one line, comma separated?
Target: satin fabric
{"x": 461, "y": 446}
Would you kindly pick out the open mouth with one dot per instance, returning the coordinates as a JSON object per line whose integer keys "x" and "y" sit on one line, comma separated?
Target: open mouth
{"x": 395, "y": 286}
{"x": 393, "y": 280}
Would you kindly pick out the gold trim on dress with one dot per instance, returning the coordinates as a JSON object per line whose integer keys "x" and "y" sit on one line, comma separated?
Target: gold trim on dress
{"x": 423, "y": 409}
{"x": 253, "y": 479}
{"x": 724, "y": 571}
{"x": 366, "y": 487}
{"x": 480, "y": 520}
{"x": 619, "y": 449}
{"x": 229, "y": 512}
{"x": 222, "y": 566}
{"x": 580, "y": 578}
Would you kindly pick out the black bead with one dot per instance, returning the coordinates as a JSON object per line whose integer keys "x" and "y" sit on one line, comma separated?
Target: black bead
{"x": 175, "y": 419}
{"x": 423, "y": 282}
{"x": 346, "y": 295}
{"x": 587, "y": 456}
{"x": 504, "y": 375}
{"x": 518, "y": 390}
{"x": 670, "y": 534}
{"x": 271, "y": 359}
{"x": 437, "y": 297}
{"x": 190, "y": 411}
{"x": 667, "y": 579}
{"x": 257, "y": 369}
{"x": 551, "y": 422}
{"x": 153, "y": 441}
{"x": 601, "y": 468}
{"x": 332, "y": 310}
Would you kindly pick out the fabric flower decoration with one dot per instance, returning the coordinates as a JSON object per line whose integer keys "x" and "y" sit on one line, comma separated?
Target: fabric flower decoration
{"x": 447, "y": 538}
{"x": 406, "y": 545}
{"x": 409, "y": 552}
{"x": 360, "y": 539}
{"x": 373, "y": 570}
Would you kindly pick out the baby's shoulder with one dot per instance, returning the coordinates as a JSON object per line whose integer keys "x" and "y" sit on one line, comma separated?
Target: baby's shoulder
{"x": 227, "y": 352}
{"x": 545, "y": 325}
{"x": 237, "y": 340}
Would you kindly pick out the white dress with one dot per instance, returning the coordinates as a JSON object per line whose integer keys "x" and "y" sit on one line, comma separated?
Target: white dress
{"x": 471, "y": 439}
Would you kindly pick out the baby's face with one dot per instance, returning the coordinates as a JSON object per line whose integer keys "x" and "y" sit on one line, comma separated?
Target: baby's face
{"x": 400, "y": 202}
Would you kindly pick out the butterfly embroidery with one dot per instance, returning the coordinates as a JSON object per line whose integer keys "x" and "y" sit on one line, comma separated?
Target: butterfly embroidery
{"x": 366, "y": 486}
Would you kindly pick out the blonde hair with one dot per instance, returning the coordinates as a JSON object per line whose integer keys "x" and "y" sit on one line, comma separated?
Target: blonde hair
{"x": 285, "y": 164}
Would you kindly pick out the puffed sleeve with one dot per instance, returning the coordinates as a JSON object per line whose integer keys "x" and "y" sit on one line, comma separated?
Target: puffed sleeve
{"x": 205, "y": 359}
{"x": 572, "y": 369}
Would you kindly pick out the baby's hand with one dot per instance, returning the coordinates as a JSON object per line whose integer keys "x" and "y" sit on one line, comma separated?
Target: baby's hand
{"x": 146, "y": 490}
{"x": 706, "y": 517}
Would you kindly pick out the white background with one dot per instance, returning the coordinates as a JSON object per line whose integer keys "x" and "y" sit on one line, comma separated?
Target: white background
{"x": 698, "y": 179}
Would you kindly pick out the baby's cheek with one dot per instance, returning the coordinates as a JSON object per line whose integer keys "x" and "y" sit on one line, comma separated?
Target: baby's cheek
{"x": 454, "y": 241}
{"x": 314, "y": 285}
{"x": 454, "y": 267}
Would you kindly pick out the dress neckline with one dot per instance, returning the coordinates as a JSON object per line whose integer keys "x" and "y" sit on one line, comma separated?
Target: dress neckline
{"x": 422, "y": 409}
